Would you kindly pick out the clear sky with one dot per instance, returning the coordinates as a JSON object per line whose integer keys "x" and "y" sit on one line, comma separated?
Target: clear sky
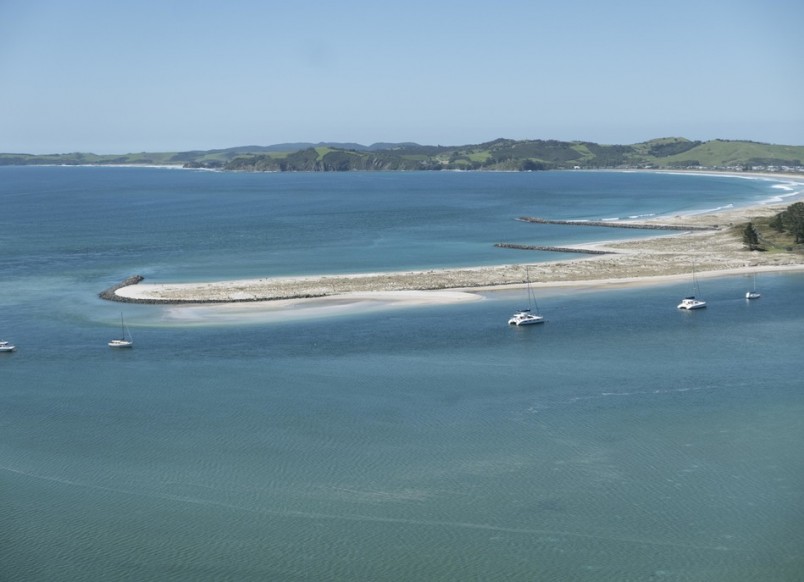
{"x": 106, "y": 76}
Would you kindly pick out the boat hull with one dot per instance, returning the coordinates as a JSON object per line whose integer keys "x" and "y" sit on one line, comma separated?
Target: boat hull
{"x": 528, "y": 322}
{"x": 691, "y": 304}
{"x": 525, "y": 319}
{"x": 120, "y": 344}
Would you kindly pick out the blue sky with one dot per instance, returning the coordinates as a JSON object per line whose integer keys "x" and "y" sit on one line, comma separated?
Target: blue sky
{"x": 167, "y": 75}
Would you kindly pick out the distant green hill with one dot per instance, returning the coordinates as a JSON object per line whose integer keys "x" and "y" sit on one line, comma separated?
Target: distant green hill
{"x": 500, "y": 154}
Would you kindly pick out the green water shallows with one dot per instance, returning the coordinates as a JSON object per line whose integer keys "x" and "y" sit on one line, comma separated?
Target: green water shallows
{"x": 622, "y": 440}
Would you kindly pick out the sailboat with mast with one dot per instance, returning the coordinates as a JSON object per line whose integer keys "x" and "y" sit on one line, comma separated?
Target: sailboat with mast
{"x": 530, "y": 315}
{"x": 691, "y": 302}
{"x": 753, "y": 293}
{"x": 125, "y": 340}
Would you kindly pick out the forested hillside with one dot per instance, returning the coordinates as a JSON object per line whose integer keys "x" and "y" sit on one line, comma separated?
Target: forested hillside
{"x": 500, "y": 154}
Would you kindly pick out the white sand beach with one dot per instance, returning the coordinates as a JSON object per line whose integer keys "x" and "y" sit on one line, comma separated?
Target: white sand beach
{"x": 647, "y": 261}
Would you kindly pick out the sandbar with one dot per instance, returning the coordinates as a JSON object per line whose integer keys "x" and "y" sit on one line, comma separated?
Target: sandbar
{"x": 646, "y": 261}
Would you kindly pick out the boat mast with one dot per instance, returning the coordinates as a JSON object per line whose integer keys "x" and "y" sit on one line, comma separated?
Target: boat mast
{"x": 531, "y": 296}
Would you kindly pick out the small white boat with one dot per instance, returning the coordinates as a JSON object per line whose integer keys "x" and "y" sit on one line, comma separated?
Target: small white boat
{"x": 125, "y": 340}
{"x": 527, "y": 316}
{"x": 753, "y": 293}
{"x": 6, "y": 347}
{"x": 689, "y": 303}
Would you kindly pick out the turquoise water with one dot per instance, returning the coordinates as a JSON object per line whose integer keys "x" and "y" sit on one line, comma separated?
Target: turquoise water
{"x": 180, "y": 225}
{"x": 622, "y": 440}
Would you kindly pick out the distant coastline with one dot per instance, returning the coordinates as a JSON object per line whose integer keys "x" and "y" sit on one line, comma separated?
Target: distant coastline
{"x": 498, "y": 155}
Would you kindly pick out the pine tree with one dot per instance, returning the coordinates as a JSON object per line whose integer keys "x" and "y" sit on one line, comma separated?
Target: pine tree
{"x": 750, "y": 237}
{"x": 790, "y": 220}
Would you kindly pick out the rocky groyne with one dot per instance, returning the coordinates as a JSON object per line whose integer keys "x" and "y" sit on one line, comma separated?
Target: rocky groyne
{"x": 617, "y": 224}
{"x": 551, "y": 249}
{"x": 110, "y": 295}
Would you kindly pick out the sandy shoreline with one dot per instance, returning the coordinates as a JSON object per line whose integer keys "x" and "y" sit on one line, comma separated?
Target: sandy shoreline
{"x": 653, "y": 260}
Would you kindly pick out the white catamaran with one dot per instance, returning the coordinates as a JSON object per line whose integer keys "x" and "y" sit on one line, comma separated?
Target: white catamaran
{"x": 691, "y": 302}
{"x": 527, "y": 316}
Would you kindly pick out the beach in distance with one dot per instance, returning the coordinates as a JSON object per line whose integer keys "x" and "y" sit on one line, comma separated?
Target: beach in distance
{"x": 660, "y": 259}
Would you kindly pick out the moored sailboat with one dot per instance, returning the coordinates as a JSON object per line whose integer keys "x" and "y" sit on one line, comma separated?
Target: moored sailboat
{"x": 691, "y": 302}
{"x": 527, "y": 316}
{"x": 125, "y": 340}
{"x": 753, "y": 293}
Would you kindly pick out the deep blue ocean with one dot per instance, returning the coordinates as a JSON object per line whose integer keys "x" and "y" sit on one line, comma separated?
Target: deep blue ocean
{"x": 621, "y": 440}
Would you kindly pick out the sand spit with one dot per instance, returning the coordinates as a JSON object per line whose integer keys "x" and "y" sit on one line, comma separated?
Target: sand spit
{"x": 645, "y": 261}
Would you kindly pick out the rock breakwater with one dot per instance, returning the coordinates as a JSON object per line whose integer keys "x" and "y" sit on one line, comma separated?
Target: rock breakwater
{"x": 617, "y": 224}
{"x": 110, "y": 295}
{"x": 551, "y": 249}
